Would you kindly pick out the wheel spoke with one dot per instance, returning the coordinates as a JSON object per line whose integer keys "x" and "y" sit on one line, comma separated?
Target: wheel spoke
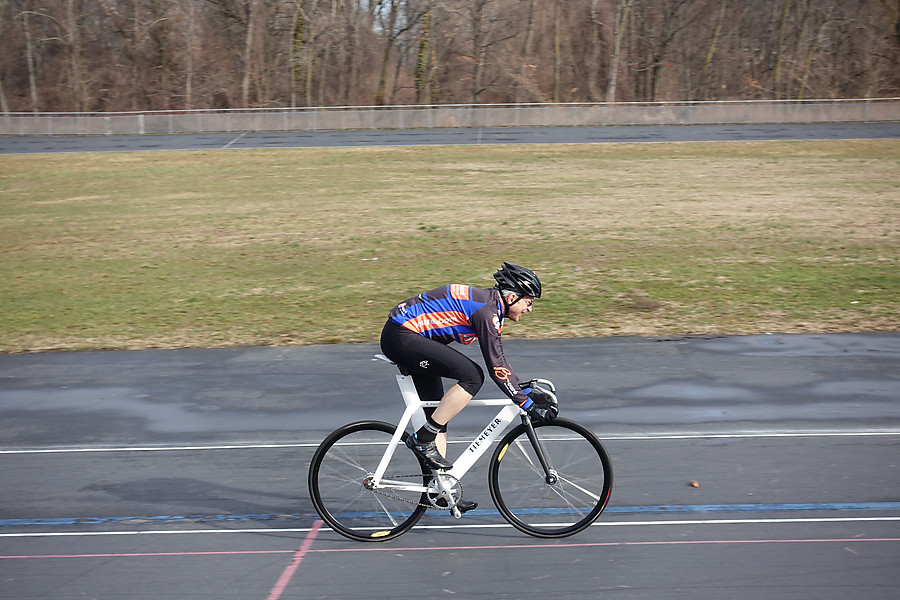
{"x": 337, "y": 477}
{"x": 522, "y": 494}
{"x": 527, "y": 454}
{"x": 350, "y": 463}
{"x": 581, "y": 489}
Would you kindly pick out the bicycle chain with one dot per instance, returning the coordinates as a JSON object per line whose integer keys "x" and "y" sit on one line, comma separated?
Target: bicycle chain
{"x": 455, "y": 484}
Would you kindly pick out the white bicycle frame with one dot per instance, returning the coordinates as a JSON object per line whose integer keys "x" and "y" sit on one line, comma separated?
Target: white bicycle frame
{"x": 415, "y": 414}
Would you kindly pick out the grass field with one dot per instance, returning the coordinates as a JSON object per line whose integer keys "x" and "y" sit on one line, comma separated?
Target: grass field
{"x": 221, "y": 248}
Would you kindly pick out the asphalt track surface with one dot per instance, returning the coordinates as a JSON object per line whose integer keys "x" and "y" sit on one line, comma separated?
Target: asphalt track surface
{"x": 181, "y": 474}
{"x": 746, "y": 467}
{"x": 427, "y": 137}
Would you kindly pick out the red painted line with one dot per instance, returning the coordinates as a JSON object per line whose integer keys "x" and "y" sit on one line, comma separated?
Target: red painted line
{"x": 151, "y": 554}
{"x": 305, "y": 549}
{"x": 599, "y": 544}
{"x": 288, "y": 573}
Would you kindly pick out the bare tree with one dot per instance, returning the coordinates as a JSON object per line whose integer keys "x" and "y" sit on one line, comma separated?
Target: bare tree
{"x": 25, "y": 15}
{"x": 396, "y": 18}
{"x": 426, "y": 63}
{"x": 486, "y": 25}
{"x": 623, "y": 12}
{"x": 557, "y": 48}
{"x": 706, "y": 87}
{"x": 254, "y": 15}
{"x": 4, "y": 105}
{"x": 144, "y": 54}
{"x": 596, "y": 49}
{"x": 190, "y": 46}
{"x": 61, "y": 24}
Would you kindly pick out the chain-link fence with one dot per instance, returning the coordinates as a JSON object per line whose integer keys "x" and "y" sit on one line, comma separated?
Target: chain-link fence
{"x": 444, "y": 116}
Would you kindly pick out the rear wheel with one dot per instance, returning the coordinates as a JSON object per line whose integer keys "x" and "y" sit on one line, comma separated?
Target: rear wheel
{"x": 563, "y": 506}
{"x": 339, "y": 478}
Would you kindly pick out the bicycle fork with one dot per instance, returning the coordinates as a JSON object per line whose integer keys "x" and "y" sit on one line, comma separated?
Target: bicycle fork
{"x": 550, "y": 475}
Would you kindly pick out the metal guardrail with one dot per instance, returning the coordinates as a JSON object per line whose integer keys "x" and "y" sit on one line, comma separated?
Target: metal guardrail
{"x": 452, "y": 115}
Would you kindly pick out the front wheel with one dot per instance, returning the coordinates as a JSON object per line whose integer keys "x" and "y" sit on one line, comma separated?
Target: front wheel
{"x": 561, "y": 507}
{"x": 340, "y": 483}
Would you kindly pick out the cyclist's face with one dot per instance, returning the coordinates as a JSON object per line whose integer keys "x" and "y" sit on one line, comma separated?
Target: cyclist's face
{"x": 525, "y": 305}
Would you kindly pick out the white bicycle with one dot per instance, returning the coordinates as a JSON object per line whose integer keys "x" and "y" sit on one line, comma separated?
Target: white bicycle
{"x": 548, "y": 480}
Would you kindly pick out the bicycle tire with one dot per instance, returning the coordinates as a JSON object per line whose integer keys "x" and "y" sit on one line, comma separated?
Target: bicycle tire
{"x": 336, "y": 483}
{"x": 521, "y": 493}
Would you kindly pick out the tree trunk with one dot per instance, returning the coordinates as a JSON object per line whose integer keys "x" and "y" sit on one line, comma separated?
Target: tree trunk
{"x": 524, "y": 57}
{"x": 29, "y": 60}
{"x": 137, "y": 69}
{"x": 705, "y": 85}
{"x": 425, "y": 61}
{"x": 4, "y": 106}
{"x": 593, "y": 68}
{"x": 623, "y": 7}
{"x": 779, "y": 51}
{"x": 189, "y": 58}
{"x": 390, "y": 38}
{"x": 75, "y": 44}
{"x": 557, "y": 52}
{"x": 252, "y": 16}
{"x": 297, "y": 25}
{"x": 323, "y": 79}
{"x": 476, "y": 15}
{"x": 812, "y": 41}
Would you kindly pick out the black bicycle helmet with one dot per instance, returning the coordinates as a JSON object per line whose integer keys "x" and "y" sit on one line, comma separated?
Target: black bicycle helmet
{"x": 518, "y": 279}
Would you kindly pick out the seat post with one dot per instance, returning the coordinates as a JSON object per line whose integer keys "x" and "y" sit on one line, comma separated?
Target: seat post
{"x": 411, "y": 398}
{"x": 408, "y": 392}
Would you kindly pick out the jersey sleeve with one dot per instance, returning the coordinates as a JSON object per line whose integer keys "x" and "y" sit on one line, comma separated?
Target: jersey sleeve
{"x": 486, "y": 323}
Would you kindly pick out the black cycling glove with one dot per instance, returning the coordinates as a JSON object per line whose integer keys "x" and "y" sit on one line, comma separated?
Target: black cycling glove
{"x": 542, "y": 405}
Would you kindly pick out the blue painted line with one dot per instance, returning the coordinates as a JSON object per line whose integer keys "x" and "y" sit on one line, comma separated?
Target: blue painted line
{"x": 610, "y": 510}
{"x": 153, "y": 520}
{"x": 718, "y": 508}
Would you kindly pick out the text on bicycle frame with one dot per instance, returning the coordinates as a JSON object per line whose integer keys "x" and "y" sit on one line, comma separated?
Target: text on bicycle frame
{"x": 493, "y": 425}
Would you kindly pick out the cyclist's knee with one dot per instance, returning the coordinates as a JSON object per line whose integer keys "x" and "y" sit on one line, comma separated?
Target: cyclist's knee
{"x": 473, "y": 380}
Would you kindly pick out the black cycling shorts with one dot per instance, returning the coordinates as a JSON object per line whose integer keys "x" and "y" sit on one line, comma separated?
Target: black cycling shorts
{"x": 428, "y": 361}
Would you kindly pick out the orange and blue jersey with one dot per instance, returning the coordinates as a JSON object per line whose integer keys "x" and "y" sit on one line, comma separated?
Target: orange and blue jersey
{"x": 445, "y": 314}
{"x": 463, "y": 313}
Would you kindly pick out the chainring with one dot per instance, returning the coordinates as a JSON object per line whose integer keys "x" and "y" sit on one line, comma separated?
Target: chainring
{"x": 434, "y": 499}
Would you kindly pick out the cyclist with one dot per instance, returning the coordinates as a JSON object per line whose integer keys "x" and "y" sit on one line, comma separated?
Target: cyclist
{"x": 416, "y": 338}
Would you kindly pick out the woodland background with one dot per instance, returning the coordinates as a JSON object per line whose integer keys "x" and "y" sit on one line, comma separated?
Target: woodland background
{"x": 119, "y": 55}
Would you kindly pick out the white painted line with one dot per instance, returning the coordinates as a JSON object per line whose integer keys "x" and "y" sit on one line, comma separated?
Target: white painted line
{"x": 75, "y": 450}
{"x": 782, "y": 434}
{"x": 609, "y": 438}
{"x": 451, "y": 526}
{"x": 229, "y": 144}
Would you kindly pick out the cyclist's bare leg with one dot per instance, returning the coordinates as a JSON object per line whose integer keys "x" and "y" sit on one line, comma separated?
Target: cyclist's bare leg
{"x": 454, "y": 400}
